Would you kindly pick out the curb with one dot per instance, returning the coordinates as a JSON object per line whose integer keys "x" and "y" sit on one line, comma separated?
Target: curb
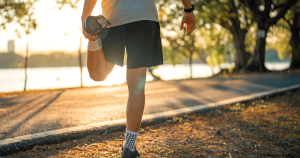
{"x": 26, "y": 142}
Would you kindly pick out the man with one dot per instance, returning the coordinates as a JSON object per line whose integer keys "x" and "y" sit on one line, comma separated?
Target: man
{"x": 134, "y": 25}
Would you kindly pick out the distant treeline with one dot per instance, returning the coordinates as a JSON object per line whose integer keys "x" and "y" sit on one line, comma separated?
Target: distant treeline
{"x": 57, "y": 59}
{"x": 10, "y": 60}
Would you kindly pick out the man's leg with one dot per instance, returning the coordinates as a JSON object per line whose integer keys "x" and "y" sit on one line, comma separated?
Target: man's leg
{"x": 136, "y": 79}
{"x": 97, "y": 65}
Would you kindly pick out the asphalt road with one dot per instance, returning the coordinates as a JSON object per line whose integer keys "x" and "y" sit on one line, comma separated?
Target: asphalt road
{"x": 44, "y": 111}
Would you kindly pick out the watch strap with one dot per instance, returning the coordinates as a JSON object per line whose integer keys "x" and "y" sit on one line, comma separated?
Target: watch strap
{"x": 189, "y": 10}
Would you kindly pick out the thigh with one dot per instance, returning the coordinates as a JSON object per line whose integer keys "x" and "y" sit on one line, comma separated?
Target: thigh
{"x": 136, "y": 79}
{"x": 96, "y": 63}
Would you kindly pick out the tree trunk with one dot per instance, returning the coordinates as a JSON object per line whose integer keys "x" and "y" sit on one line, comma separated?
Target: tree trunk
{"x": 212, "y": 63}
{"x": 295, "y": 42}
{"x": 25, "y": 64}
{"x": 257, "y": 63}
{"x": 240, "y": 59}
{"x": 203, "y": 60}
{"x": 80, "y": 63}
{"x": 295, "y": 62}
{"x": 191, "y": 62}
{"x": 155, "y": 78}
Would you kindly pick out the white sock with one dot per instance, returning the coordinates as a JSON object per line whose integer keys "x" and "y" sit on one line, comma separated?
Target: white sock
{"x": 95, "y": 45}
{"x": 130, "y": 140}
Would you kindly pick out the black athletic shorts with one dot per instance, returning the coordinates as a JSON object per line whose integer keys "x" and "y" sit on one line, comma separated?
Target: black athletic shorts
{"x": 141, "y": 40}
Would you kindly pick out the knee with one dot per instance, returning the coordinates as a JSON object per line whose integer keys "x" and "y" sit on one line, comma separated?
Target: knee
{"x": 98, "y": 77}
{"x": 137, "y": 91}
{"x": 138, "y": 87}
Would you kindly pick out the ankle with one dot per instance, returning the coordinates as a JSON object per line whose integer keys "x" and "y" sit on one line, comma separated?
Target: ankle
{"x": 130, "y": 140}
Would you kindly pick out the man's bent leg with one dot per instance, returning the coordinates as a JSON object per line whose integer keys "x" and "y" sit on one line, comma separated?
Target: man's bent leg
{"x": 97, "y": 65}
{"x": 136, "y": 79}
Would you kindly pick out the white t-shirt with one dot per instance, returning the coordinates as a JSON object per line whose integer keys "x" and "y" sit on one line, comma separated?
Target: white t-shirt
{"x": 119, "y": 12}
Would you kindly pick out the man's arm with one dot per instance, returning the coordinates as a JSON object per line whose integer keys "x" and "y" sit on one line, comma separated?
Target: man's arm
{"x": 88, "y": 8}
{"x": 87, "y": 11}
{"x": 188, "y": 18}
{"x": 186, "y": 4}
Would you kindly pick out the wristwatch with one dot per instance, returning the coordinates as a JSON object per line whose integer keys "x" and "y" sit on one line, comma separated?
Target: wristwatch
{"x": 189, "y": 10}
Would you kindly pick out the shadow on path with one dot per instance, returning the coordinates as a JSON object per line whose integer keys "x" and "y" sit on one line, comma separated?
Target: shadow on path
{"x": 30, "y": 116}
{"x": 9, "y": 103}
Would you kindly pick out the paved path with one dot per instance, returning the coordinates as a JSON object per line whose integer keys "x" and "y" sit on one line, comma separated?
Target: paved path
{"x": 40, "y": 112}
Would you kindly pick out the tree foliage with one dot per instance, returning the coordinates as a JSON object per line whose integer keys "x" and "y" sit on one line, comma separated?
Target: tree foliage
{"x": 22, "y": 13}
{"x": 265, "y": 13}
{"x": 292, "y": 18}
{"x": 234, "y": 17}
{"x": 208, "y": 37}
{"x": 70, "y": 3}
{"x": 19, "y": 12}
{"x": 278, "y": 39}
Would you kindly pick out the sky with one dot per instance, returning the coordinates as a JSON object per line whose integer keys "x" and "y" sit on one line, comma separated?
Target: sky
{"x": 50, "y": 36}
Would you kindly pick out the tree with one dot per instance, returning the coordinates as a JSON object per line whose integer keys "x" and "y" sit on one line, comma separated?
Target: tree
{"x": 28, "y": 22}
{"x": 183, "y": 47}
{"x": 73, "y": 5}
{"x": 80, "y": 60}
{"x": 22, "y": 13}
{"x": 79, "y": 53}
{"x": 11, "y": 11}
{"x": 189, "y": 48}
{"x": 266, "y": 13}
{"x": 278, "y": 39}
{"x": 293, "y": 20}
{"x": 70, "y": 3}
{"x": 202, "y": 56}
{"x": 178, "y": 47}
{"x": 233, "y": 17}
{"x": 218, "y": 44}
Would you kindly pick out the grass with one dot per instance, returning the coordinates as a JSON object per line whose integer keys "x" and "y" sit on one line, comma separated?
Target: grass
{"x": 260, "y": 128}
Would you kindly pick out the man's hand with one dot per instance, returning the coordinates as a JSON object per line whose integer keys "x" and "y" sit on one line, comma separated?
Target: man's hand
{"x": 189, "y": 20}
{"x": 86, "y": 35}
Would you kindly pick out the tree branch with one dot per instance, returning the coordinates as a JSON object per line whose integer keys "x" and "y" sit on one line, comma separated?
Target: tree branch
{"x": 225, "y": 24}
{"x": 232, "y": 6}
{"x": 243, "y": 1}
{"x": 282, "y": 11}
{"x": 277, "y": 6}
{"x": 221, "y": 4}
{"x": 218, "y": 1}
{"x": 267, "y": 10}
{"x": 256, "y": 13}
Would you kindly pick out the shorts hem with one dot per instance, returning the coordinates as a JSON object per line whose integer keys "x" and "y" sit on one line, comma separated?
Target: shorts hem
{"x": 135, "y": 67}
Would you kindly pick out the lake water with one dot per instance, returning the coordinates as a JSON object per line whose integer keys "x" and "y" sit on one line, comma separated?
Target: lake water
{"x": 12, "y": 79}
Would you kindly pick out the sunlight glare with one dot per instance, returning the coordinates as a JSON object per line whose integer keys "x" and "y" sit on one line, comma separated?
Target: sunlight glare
{"x": 53, "y": 24}
{"x": 117, "y": 77}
